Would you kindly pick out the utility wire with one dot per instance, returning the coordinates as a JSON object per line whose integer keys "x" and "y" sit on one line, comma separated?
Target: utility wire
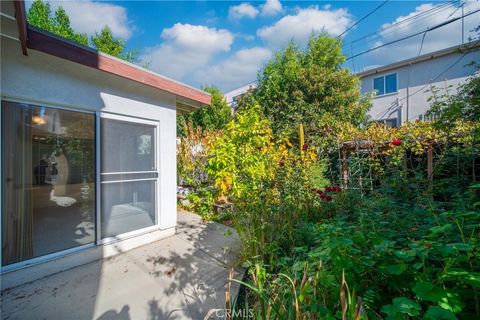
{"x": 421, "y": 44}
{"x": 444, "y": 71}
{"x": 396, "y": 105}
{"x": 451, "y": 14}
{"x": 363, "y": 18}
{"x": 411, "y": 19}
{"x": 413, "y": 34}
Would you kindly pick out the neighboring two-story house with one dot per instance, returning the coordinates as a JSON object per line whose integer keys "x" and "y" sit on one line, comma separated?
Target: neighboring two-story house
{"x": 404, "y": 89}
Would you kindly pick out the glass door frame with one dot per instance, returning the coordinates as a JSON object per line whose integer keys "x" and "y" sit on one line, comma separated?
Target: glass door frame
{"x": 58, "y": 254}
{"x": 130, "y": 119}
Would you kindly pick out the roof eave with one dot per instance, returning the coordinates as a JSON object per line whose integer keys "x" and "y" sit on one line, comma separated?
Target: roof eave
{"x": 425, "y": 57}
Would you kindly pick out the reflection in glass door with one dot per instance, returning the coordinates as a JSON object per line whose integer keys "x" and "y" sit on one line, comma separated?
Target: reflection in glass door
{"x": 48, "y": 180}
{"x": 129, "y": 175}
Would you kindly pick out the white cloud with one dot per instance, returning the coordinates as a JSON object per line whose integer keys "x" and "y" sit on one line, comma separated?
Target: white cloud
{"x": 90, "y": 16}
{"x": 447, "y": 36}
{"x": 243, "y": 10}
{"x": 186, "y": 48}
{"x": 301, "y": 25}
{"x": 271, "y": 8}
{"x": 239, "y": 69}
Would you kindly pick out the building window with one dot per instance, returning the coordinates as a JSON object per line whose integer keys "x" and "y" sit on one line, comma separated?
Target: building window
{"x": 379, "y": 85}
{"x": 385, "y": 84}
{"x": 48, "y": 180}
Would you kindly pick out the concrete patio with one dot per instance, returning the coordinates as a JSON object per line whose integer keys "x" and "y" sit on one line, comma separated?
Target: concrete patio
{"x": 181, "y": 277}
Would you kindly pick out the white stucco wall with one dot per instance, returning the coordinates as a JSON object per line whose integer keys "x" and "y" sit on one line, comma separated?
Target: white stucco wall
{"x": 42, "y": 79}
{"x": 413, "y": 78}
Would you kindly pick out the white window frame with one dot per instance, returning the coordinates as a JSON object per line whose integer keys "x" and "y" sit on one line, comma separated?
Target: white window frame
{"x": 133, "y": 233}
{"x": 385, "y": 84}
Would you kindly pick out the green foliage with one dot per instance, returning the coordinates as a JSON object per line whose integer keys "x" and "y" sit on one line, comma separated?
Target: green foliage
{"x": 401, "y": 307}
{"x": 448, "y": 109}
{"x": 408, "y": 247}
{"x": 310, "y": 87}
{"x": 202, "y": 201}
{"x": 240, "y": 160}
{"x": 40, "y": 15}
{"x": 214, "y": 117}
{"x": 106, "y": 42}
{"x": 402, "y": 258}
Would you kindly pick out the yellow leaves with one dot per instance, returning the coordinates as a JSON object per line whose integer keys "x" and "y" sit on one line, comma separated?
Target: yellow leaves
{"x": 416, "y": 136}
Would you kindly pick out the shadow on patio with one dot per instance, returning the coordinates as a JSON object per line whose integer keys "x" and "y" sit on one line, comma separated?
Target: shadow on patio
{"x": 181, "y": 277}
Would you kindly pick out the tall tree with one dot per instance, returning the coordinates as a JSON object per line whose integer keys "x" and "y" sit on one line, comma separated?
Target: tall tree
{"x": 106, "y": 42}
{"x": 310, "y": 87}
{"x": 63, "y": 27}
{"x": 40, "y": 15}
{"x": 215, "y": 116}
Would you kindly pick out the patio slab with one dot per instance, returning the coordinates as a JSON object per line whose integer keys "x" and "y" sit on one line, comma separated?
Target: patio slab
{"x": 181, "y": 277}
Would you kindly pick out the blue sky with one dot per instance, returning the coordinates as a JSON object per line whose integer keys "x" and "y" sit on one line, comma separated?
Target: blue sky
{"x": 225, "y": 43}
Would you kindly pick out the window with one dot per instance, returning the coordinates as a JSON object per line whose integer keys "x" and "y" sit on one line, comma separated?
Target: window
{"x": 385, "y": 84}
{"x": 48, "y": 180}
{"x": 379, "y": 85}
{"x": 128, "y": 175}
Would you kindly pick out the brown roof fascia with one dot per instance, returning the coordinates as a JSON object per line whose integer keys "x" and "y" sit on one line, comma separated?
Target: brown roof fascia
{"x": 62, "y": 48}
{"x": 21, "y": 18}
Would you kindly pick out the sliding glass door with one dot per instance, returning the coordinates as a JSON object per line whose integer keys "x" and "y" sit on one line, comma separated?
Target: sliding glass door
{"x": 129, "y": 175}
{"x": 50, "y": 202}
{"x": 48, "y": 180}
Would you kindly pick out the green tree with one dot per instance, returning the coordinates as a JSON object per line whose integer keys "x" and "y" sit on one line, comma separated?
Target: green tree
{"x": 63, "y": 28}
{"x": 310, "y": 87}
{"x": 106, "y": 42}
{"x": 40, "y": 15}
{"x": 215, "y": 116}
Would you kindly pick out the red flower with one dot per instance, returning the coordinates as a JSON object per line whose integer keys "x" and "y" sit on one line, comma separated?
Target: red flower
{"x": 327, "y": 198}
{"x": 281, "y": 163}
{"x": 396, "y": 142}
{"x": 336, "y": 189}
{"x": 305, "y": 147}
{"x": 328, "y": 189}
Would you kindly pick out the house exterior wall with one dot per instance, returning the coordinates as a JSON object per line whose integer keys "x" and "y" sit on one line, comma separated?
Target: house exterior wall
{"x": 410, "y": 102}
{"x": 232, "y": 96}
{"x": 41, "y": 79}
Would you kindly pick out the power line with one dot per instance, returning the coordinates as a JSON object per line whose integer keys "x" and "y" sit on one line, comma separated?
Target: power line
{"x": 396, "y": 103}
{"x": 421, "y": 44}
{"x": 451, "y": 14}
{"x": 363, "y": 18}
{"x": 413, "y": 34}
{"x": 410, "y": 20}
{"x": 444, "y": 71}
